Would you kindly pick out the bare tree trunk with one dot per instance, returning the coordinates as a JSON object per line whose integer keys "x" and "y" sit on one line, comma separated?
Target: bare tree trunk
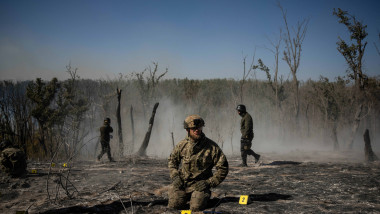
{"x": 173, "y": 140}
{"x": 96, "y": 148}
{"x": 292, "y": 56}
{"x": 307, "y": 120}
{"x": 133, "y": 131}
{"x": 120, "y": 131}
{"x": 142, "y": 150}
{"x": 355, "y": 126}
{"x": 370, "y": 156}
{"x": 334, "y": 136}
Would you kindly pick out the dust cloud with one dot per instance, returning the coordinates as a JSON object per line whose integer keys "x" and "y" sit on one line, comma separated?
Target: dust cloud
{"x": 222, "y": 125}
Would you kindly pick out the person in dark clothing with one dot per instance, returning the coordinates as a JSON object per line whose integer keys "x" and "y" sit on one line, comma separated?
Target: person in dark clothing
{"x": 105, "y": 137}
{"x": 246, "y": 129}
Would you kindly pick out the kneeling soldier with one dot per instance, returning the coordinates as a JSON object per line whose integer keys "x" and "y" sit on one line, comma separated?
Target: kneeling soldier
{"x": 197, "y": 155}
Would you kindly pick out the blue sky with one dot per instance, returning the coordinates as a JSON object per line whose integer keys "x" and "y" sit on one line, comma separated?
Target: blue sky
{"x": 197, "y": 39}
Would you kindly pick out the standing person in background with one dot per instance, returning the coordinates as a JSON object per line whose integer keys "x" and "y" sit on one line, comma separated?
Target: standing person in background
{"x": 105, "y": 137}
{"x": 246, "y": 129}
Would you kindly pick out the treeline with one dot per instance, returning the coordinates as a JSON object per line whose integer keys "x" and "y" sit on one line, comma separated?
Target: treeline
{"x": 59, "y": 118}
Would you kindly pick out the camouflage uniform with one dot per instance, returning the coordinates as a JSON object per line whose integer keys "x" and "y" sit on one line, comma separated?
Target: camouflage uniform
{"x": 246, "y": 129}
{"x": 197, "y": 158}
{"x": 105, "y": 131}
{"x": 12, "y": 160}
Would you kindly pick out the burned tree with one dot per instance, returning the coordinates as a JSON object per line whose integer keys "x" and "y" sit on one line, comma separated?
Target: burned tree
{"x": 245, "y": 75}
{"x": 377, "y": 48}
{"x": 292, "y": 55}
{"x": 370, "y": 156}
{"x": 144, "y": 145}
{"x": 118, "y": 116}
{"x": 133, "y": 131}
{"x": 276, "y": 87}
{"x": 324, "y": 92}
{"x": 147, "y": 85}
{"x": 353, "y": 54}
{"x": 15, "y": 122}
{"x": 73, "y": 105}
{"x": 42, "y": 96}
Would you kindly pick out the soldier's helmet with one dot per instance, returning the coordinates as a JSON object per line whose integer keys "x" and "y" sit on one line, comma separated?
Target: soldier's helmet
{"x": 241, "y": 108}
{"x": 193, "y": 121}
{"x": 107, "y": 121}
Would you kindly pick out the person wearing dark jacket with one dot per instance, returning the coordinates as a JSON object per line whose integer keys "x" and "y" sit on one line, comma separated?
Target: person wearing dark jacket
{"x": 105, "y": 137}
{"x": 246, "y": 129}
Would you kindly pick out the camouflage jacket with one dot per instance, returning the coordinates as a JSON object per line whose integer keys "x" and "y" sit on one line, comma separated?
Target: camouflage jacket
{"x": 105, "y": 133}
{"x": 246, "y": 126}
{"x": 197, "y": 160}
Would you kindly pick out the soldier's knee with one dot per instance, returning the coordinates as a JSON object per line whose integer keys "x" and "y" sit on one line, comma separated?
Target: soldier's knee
{"x": 199, "y": 200}
{"x": 177, "y": 198}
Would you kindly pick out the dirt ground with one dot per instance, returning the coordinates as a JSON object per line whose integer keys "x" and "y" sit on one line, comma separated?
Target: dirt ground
{"x": 296, "y": 182}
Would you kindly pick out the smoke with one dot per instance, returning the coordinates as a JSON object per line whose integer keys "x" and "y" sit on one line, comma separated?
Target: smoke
{"x": 222, "y": 125}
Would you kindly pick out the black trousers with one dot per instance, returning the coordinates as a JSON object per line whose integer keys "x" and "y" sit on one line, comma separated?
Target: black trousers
{"x": 105, "y": 149}
{"x": 245, "y": 149}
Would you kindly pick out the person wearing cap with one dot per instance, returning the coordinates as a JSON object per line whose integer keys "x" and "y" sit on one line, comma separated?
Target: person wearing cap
{"x": 246, "y": 129}
{"x": 105, "y": 136}
{"x": 190, "y": 165}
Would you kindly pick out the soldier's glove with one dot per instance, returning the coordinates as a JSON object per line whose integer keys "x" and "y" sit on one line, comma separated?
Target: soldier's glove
{"x": 177, "y": 182}
{"x": 201, "y": 185}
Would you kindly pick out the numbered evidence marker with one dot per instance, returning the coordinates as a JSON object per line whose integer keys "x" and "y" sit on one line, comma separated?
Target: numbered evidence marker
{"x": 185, "y": 211}
{"x": 65, "y": 165}
{"x": 243, "y": 199}
{"x": 52, "y": 164}
{"x": 34, "y": 171}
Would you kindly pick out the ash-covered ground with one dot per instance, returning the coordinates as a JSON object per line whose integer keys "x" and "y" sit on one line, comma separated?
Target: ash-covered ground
{"x": 296, "y": 182}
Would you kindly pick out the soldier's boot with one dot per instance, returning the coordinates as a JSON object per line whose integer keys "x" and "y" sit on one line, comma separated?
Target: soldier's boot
{"x": 109, "y": 155}
{"x": 243, "y": 160}
{"x": 99, "y": 157}
{"x": 257, "y": 157}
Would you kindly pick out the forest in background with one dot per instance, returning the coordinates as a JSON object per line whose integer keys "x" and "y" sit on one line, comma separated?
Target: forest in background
{"x": 48, "y": 118}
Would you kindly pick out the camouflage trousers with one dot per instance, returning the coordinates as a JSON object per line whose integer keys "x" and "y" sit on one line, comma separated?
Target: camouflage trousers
{"x": 178, "y": 199}
{"x": 245, "y": 149}
{"x": 105, "y": 149}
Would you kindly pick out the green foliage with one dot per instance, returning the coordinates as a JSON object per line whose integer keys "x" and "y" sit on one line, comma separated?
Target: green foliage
{"x": 42, "y": 96}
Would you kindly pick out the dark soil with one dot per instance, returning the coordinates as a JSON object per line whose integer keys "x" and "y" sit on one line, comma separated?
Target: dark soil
{"x": 314, "y": 182}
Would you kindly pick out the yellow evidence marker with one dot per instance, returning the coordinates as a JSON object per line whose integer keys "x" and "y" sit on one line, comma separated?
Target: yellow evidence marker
{"x": 34, "y": 171}
{"x": 243, "y": 199}
{"x": 52, "y": 164}
{"x": 185, "y": 211}
{"x": 65, "y": 165}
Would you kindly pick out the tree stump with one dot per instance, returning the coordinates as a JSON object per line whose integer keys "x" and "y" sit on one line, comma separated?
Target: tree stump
{"x": 369, "y": 155}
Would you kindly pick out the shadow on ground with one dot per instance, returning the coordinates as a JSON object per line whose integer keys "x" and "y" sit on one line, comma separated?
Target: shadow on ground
{"x": 117, "y": 206}
{"x": 213, "y": 203}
